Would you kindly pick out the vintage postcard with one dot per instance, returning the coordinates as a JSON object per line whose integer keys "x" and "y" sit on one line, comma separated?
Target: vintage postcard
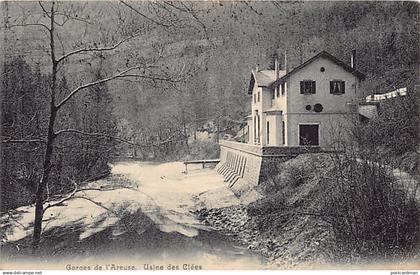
{"x": 209, "y": 135}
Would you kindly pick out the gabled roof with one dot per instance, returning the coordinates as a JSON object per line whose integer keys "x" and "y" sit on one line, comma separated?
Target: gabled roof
{"x": 319, "y": 55}
{"x": 263, "y": 78}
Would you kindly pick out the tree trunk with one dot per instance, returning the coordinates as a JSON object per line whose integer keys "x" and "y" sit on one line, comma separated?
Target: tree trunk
{"x": 39, "y": 196}
{"x": 184, "y": 126}
{"x": 217, "y": 130}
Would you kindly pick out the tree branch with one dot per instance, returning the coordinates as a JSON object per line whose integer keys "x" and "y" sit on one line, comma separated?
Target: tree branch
{"x": 98, "y": 135}
{"x": 70, "y": 196}
{"x": 43, "y": 9}
{"x": 144, "y": 16}
{"x": 122, "y": 74}
{"x": 75, "y": 91}
{"x": 23, "y": 140}
{"x": 29, "y": 24}
{"x": 166, "y": 79}
{"x": 91, "y": 50}
{"x": 113, "y": 137}
{"x": 77, "y": 190}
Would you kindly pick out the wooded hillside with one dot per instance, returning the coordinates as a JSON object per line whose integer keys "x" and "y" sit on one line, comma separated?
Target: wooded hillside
{"x": 195, "y": 61}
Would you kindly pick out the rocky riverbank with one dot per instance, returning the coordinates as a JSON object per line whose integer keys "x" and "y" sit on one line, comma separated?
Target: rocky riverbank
{"x": 290, "y": 248}
{"x": 282, "y": 225}
{"x": 291, "y": 223}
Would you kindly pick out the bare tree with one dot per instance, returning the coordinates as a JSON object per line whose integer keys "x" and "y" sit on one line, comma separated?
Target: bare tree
{"x": 56, "y": 16}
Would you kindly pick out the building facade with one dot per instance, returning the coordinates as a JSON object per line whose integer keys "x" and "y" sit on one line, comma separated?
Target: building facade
{"x": 312, "y": 104}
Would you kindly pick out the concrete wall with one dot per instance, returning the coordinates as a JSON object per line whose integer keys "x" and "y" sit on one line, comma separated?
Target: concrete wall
{"x": 240, "y": 165}
{"x": 244, "y": 166}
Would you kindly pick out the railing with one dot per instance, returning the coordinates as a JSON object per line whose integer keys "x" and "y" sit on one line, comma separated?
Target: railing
{"x": 203, "y": 162}
{"x": 269, "y": 151}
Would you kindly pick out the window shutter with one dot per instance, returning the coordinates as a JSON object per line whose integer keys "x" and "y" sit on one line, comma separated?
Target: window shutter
{"x": 343, "y": 87}
{"x": 302, "y": 87}
{"x": 313, "y": 87}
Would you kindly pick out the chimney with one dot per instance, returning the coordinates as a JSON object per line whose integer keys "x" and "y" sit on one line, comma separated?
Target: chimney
{"x": 256, "y": 68}
{"x": 285, "y": 62}
{"x": 353, "y": 59}
{"x": 276, "y": 67}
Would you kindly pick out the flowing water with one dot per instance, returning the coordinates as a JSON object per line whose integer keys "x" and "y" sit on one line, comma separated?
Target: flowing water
{"x": 150, "y": 226}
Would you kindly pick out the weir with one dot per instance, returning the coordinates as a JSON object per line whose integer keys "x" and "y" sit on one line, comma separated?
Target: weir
{"x": 244, "y": 166}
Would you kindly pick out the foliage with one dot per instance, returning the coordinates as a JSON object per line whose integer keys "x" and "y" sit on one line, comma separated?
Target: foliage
{"x": 267, "y": 206}
{"x": 366, "y": 210}
{"x": 220, "y": 42}
{"x": 204, "y": 149}
{"x": 372, "y": 213}
{"x": 394, "y": 132}
{"x": 23, "y": 117}
{"x": 239, "y": 35}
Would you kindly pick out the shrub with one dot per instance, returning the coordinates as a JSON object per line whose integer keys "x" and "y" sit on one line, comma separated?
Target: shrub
{"x": 297, "y": 175}
{"x": 267, "y": 205}
{"x": 368, "y": 210}
{"x": 203, "y": 149}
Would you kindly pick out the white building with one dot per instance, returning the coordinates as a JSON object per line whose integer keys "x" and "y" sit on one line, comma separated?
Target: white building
{"x": 311, "y": 104}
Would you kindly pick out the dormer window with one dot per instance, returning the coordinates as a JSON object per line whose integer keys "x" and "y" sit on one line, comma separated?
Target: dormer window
{"x": 307, "y": 87}
{"x": 337, "y": 87}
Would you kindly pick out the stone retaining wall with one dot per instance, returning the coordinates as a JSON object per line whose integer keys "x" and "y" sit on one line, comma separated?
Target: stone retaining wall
{"x": 244, "y": 166}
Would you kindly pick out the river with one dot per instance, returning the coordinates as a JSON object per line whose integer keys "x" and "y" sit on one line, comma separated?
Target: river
{"x": 152, "y": 225}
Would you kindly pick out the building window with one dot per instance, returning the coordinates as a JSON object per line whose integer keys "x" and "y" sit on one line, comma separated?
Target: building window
{"x": 307, "y": 87}
{"x": 268, "y": 132}
{"x": 278, "y": 91}
{"x": 283, "y": 88}
{"x": 255, "y": 98}
{"x": 258, "y": 129}
{"x": 283, "y": 134}
{"x": 318, "y": 107}
{"x": 273, "y": 94}
{"x": 258, "y": 98}
{"x": 308, "y": 134}
{"x": 255, "y": 129}
{"x": 337, "y": 87}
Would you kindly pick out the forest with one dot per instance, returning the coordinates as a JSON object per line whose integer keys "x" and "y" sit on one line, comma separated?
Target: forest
{"x": 84, "y": 84}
